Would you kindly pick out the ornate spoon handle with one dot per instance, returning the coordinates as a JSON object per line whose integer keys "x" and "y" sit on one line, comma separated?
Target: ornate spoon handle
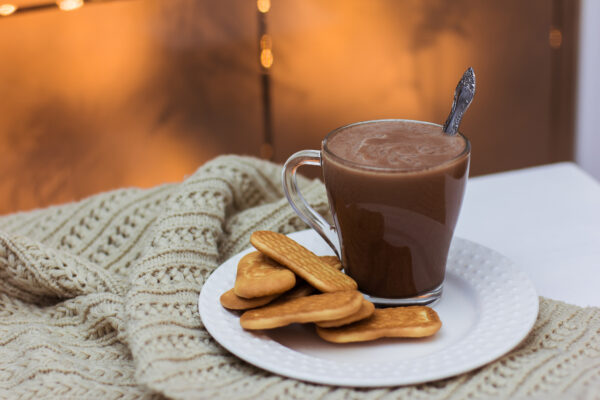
{"x": 463, "y": 95}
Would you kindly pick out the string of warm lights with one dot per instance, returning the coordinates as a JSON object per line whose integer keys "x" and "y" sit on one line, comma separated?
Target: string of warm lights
{"x": 8, "y": 9}
{"x": 266, "y": 53}
{"x": 69, "y": 5}
{"x": 266, "y": 62}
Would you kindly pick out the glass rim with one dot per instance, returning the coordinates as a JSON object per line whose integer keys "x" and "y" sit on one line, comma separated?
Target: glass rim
{"x": 355, "y": 165}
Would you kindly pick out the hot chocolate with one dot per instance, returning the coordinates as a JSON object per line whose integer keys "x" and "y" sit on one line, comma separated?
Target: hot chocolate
{"x": 395, "y": 188}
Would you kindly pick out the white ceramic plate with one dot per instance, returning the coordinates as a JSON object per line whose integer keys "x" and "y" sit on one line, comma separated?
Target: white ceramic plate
{"x": 488, "y": 306}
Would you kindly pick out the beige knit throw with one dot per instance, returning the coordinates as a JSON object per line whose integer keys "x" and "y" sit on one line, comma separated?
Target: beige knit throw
{"x": 98, "y": 300}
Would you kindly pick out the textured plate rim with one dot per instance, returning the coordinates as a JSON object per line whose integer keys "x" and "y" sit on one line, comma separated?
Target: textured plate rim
{"x": 248, "y": 346}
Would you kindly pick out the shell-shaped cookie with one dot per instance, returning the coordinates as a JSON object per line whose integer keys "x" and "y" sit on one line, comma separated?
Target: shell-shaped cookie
{"x": 258, "y": 276}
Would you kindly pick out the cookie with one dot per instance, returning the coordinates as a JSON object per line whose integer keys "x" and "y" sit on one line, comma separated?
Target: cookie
{"x": 318, "y": 307}
{"x": 259, "y": 276}
{"x": 301, "y": 289}
{"x": 304, "y": 289}
{"x": 332, "y": 261}
{"x": 302, "y": 261}
{"x": 232, "y": 301}
{"x": 414, "y": 321}
{"x": 366, "y": 310}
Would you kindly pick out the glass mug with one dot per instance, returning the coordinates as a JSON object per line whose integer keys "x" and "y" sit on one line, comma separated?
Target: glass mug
{"x": 393, "y": 220}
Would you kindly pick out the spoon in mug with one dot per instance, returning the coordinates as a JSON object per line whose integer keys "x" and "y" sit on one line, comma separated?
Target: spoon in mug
{"x": 463, "y": 95}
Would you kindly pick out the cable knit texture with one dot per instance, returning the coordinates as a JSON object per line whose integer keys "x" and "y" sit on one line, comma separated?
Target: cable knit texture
{"x": 98, "y": 299}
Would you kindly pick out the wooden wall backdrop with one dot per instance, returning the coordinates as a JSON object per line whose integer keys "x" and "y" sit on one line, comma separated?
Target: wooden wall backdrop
{"x": 141, "y": 92}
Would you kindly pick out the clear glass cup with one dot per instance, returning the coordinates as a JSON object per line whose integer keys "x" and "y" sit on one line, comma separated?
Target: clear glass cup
{"x": 392, "y": 226}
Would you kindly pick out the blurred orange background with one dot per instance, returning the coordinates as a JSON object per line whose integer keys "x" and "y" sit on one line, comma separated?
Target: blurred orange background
{"x": 142, "y": 92}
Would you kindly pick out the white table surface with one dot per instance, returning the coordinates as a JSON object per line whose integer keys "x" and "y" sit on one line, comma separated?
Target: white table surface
{"x": 547, "y": 220}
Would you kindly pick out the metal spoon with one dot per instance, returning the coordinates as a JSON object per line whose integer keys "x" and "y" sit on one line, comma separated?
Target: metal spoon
{"x": 463, "y": 95}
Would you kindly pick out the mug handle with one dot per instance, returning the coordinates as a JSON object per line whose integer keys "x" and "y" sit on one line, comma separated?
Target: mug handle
{"x": 299, "y": 203}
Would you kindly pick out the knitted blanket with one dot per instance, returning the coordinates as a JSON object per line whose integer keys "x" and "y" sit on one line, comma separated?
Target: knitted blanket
{"x": 98, "y": 299}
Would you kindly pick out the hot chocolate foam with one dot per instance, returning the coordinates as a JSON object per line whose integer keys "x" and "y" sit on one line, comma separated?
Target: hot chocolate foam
{"x": 395, "y": 144}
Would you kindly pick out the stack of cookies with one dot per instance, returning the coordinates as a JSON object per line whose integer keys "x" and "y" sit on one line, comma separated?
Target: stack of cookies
{"x": 284, "y": 283}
